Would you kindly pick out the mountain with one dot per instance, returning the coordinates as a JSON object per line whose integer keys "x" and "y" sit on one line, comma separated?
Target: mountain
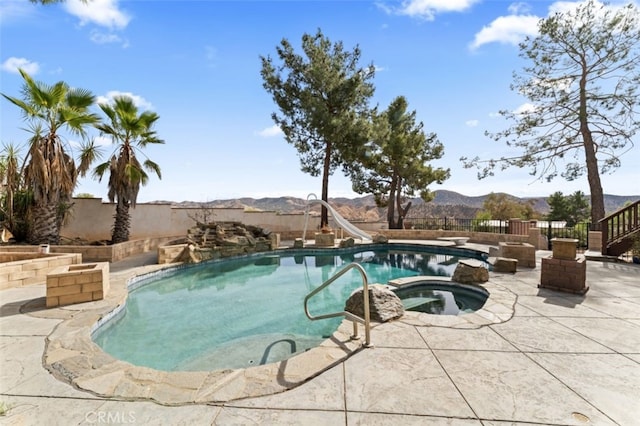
{"x": 444, "y": 204}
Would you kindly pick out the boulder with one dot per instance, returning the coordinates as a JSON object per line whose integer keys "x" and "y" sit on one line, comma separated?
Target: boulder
{"x": 380, "y": 239}
{"x": 384, "y": 304}
{"x": 470, "y": 272}
{"x": 347, "y": 242}
{"x": 503, "y": 264}
{"x": 225, "y": 239}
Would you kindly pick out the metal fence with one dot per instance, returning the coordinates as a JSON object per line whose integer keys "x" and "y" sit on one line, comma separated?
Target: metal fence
{"x": 552, "y": 229}
{"x": 456, "y": 224}
{"x": 559, "y": 230}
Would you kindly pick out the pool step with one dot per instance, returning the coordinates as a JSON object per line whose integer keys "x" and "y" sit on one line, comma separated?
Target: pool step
{"x": 414, "y": 302}
{"x": 250, "y": 351}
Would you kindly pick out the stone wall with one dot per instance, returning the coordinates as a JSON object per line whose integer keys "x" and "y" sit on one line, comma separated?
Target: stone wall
{"x": 534, "y": 238}
{"x": 564, "y": 274}
{"x": 67, "y": 285}
{"x": 27, "y": 270}
{"x": 99, "y": 253}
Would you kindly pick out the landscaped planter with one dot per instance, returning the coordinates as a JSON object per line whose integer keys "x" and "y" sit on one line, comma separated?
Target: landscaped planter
{"x": 564, "y": 275}
{"x": 524, "y": 253}
{"x": 77, "y": 284}
{"x": 564, "y": 248}
{"x": 564, "y": 271}
{"x": 18, "y": 268}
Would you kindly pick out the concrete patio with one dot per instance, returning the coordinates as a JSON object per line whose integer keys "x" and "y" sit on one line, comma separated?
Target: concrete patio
{"x": 560, "y": 359}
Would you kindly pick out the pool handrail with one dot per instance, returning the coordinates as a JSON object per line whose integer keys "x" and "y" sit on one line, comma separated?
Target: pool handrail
{"x": 354, "y": 318}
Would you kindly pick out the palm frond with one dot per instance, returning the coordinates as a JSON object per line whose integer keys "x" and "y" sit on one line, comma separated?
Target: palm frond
{"x": 25, "y": 107}
{"x": 89, "y": 153}
{"x": 150, "y": 165}
{"x": 80, "y": 99}
{"x": 100, "y": 170}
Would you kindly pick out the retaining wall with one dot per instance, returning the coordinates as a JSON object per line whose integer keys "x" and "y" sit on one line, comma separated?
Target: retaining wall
{"x": 20, "y": 269}
{"x": 534, "y": 238}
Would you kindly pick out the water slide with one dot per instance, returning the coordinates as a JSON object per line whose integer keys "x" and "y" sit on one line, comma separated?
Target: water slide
{"x": 337, "y": 218}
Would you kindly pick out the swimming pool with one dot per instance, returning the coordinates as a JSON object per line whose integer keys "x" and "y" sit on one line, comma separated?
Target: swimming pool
{"x": 248, "y": 311}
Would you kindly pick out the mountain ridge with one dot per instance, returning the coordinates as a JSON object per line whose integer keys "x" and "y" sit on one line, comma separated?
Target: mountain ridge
{"x": 445, "y": 203}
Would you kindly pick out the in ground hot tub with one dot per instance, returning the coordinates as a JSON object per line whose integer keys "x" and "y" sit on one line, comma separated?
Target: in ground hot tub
{"x": 441, "y": 298}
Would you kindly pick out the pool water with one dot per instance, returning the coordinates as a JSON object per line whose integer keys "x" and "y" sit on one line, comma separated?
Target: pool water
{"x": 249, "y": 311}
{"x": 442, "y": 299}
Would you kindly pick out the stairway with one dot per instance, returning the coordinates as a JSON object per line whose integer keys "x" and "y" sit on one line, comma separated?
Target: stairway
{"x": 620, "y": 229}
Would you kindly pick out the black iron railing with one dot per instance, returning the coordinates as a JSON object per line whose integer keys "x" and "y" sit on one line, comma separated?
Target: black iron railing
{"x": 619, "y": 228}
{"x": 552, "y": 229}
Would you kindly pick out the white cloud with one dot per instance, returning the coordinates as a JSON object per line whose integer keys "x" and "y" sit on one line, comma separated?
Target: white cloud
{"x": 510, "y": 29}
{"x": 99, "y": 37}
{"x": 102, "y": 141}
{"x": 569, "y": 7}
{"x": 104, "y": 13}
{"x": 12, "y": 64}
{"x": 525, "y": 108}
{"x": 428, "y": 9}
{"x": 270, "y": 132}
{"x": 520, "y": 8}
{"x": 472, "y": 123}
{"x": 513, "y": 28}
{"x": 139, "y": 101}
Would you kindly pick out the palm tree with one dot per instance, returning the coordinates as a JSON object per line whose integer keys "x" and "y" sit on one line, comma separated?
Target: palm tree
{"x": 131, "y": 132}
{"x": 50, "y": 171}
{"x": 14, "y": 197}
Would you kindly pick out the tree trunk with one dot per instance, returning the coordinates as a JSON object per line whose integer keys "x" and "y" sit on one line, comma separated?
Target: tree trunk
{"x": 324, "y": 215}
{"x": 121, "y": 225}
{"x": 44, "y": 228}
{"x": 593, "y": 174}
{"x": 403, "y": 214}
{"x": 391, "y": 205}
{"x": 595, "y": 186}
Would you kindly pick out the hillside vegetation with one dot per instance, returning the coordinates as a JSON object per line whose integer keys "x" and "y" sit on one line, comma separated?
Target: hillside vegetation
{"x": 445, "y": 204}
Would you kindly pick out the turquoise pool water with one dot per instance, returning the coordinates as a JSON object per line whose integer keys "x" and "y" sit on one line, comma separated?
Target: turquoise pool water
{"x": 249, "y": 311}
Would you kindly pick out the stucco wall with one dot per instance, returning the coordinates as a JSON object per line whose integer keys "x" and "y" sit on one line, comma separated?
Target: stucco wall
{"x": 92, "y": 220}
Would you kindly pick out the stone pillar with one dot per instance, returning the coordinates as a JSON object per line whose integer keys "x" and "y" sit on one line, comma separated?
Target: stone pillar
{"x": 564, "y": 248}
{"x": 537, "y": 239}
{"x": 563, "y": 271}
{"x": 325, "y": 239}
{"x": 274, "y": 240}
{"x": 595, "y": 241}
{"x": 515, "y": 225}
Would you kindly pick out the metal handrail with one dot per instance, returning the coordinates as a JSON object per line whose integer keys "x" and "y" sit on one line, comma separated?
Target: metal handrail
{"x": 354, "y": 318}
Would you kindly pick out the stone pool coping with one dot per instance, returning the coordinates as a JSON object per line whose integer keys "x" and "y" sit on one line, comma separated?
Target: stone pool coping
{"x": 71, "y": 355}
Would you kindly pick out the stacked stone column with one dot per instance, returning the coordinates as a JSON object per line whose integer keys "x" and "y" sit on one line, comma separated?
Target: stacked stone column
{"x": 564, "y": 271}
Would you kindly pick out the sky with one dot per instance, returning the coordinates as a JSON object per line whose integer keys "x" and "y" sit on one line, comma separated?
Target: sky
{"x": 196, "y": 63}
